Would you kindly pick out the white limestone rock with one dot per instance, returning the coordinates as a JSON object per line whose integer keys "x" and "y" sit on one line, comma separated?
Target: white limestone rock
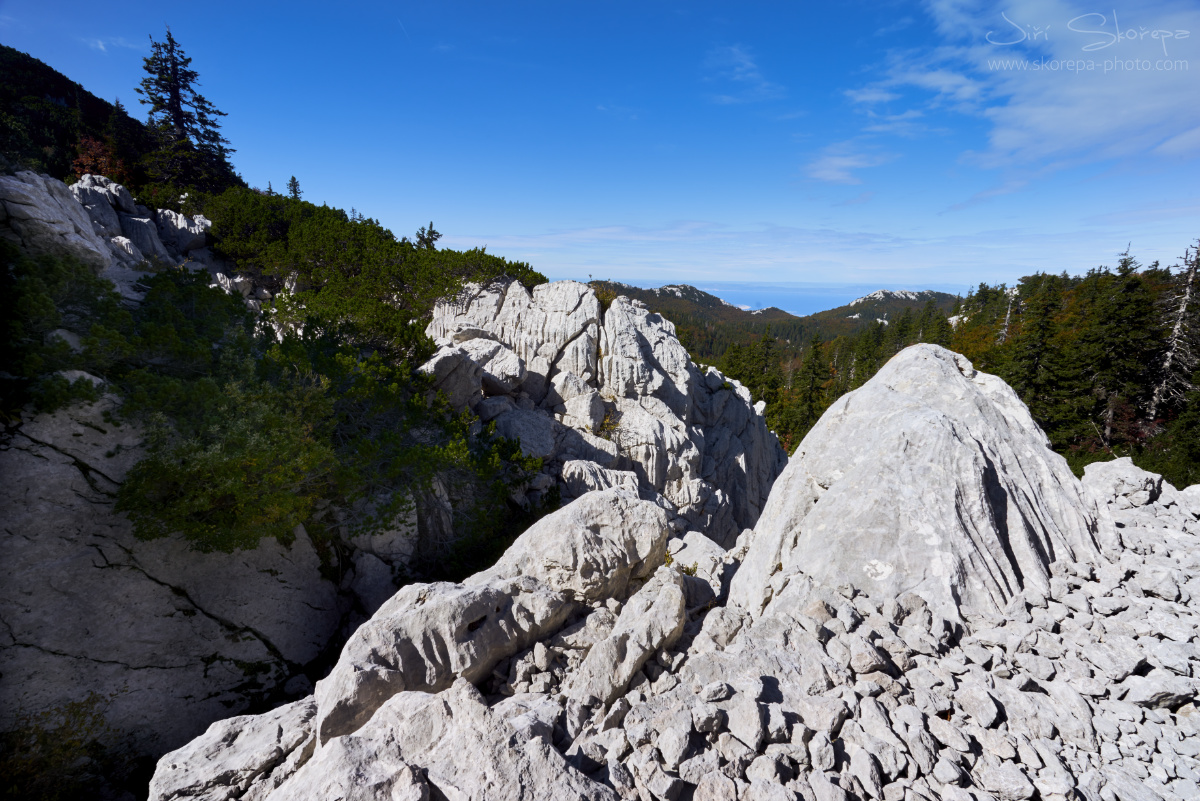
{"x": 237, "y": 754}
{"x": 143, "y": 233}
{"x": 653, "y": 618}
{"x": 582, "y": 476}
{"x": 591, "y": 549}
{"x": 457, "y": 375}
{"x": 464, "y": 751}
{"x": 931, "y": 478}
{"x": 693, "y": 438}
{"x": 181, "y": 233}
{"x": 41, "y": 215}
{"x": 426, "y": 636}
{"x": 536, "y": 431}
{"x": 503, "y": 370}
{"x": 1122, "y": 484}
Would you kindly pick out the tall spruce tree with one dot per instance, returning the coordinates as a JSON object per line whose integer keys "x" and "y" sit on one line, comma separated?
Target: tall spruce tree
{"x": 192, "y": 151}
{"x": 1118, "y": 346}
{"x": 293, "y": 188}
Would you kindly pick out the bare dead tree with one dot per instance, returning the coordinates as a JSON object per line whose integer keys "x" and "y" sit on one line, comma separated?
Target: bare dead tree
{"x": 1180, "y": 359}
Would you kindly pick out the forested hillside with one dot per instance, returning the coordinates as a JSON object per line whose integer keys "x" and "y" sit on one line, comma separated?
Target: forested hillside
{"x": 708, "y": 326}
{"x": 51, "y": 124}
{"x": 1106, "y": 361}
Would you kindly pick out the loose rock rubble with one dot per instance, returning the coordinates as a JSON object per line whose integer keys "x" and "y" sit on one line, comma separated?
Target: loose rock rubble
{"x": 656, "y": 684}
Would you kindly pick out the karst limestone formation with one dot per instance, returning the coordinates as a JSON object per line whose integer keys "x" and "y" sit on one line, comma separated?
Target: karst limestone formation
{"x": 608, "y": 398}
{"x": 171, "y": 639}
{"x": 968, "y": 621}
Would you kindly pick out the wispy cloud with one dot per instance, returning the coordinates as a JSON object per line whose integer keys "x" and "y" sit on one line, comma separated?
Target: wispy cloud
{"x": 115, "y": 42}
{"x": 837, "y": 162}
{"x": 865, "y": 197}
{"x": 1024, "y": 67}
{"x": 910, "y": 123}
{"x": 871, "y": 94}
{"x": 698, "y": 252}
{"x": 734, "y": 69}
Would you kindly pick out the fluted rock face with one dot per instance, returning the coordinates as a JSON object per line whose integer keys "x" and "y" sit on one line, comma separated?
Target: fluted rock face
{"x": 932, "y": 478}
{"x": 614, "y": 387}
{"x": 1069, "y": 676}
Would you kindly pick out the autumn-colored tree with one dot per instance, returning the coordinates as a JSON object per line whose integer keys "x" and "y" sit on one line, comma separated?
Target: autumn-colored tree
{"x": 98, "y": 158}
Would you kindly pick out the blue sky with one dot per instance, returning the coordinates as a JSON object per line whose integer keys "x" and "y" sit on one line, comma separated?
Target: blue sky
{"x": 768, "y": 146}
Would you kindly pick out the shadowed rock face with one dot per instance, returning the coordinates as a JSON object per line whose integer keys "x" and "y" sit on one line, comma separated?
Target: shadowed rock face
{"x": 1055, "y": 660}
{"x": 931, "y": 478}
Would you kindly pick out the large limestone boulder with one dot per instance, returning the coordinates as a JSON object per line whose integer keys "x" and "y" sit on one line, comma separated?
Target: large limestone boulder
{"x": 428, "y": 635}
{"x": 503, "y": 370}
{"x": 457, "y": 375}
{"x": 932, "y": 478}
{"x": 41, "y": 215}
{"x": 181, "y": 233}
{"x": 552, "y": 329}
{"x": 460, "y": 748}
{"x": 140, "y": 229}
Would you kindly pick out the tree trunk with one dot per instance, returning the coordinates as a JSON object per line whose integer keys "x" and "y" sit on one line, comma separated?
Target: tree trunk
{"x": 1176, "y": 343}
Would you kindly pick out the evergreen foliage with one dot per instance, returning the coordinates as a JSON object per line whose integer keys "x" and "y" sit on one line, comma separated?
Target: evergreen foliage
{"x": 1104, "y": 361}
{"x": 250, "y": 431}
{"x": 348, "y": 272}
{"x": 191, "y": 151}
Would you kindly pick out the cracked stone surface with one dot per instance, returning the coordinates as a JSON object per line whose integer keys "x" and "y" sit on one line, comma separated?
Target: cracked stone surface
{"x": 174, "y": 637}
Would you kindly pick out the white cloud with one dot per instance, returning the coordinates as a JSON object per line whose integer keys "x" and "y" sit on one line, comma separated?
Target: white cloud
{"x": 734, "y": 68}
{"x": 1184, "y": 144}
{"x": 694, "y": 252}
{"x": 1048, "y": 101}
{"x": 871, "y": 94}
{"x": 864, "y": 197}
{"x": 837, "y": 161}
{"x": 103, "y": 44}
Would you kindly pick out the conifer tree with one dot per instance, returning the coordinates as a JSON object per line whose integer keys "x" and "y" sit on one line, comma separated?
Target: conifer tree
{"x": 1118, "y": 344}
{"x": 192, "y": 151}
{"x": 293, "y": 188}
{"x": 176, "y": 108}
{"x": 809, "y": 385}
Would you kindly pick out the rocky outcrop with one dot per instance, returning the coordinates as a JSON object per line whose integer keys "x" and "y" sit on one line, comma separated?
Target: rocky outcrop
{"x": 577, "y": 383}
{"x": 932, "y": 478}
{"x": 171, "y": 638}
{"x": 40, "y": 214}
{"x": 1078, "y": 680}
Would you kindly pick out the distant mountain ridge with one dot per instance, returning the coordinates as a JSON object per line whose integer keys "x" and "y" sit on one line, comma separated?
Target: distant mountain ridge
{"x": 708, "y": 325}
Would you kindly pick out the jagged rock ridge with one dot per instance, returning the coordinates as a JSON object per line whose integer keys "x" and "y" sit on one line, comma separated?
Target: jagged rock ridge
{"x": 615, "y": 388}
{"x": 174, "y": 639}
{"x": 658, "y": 687}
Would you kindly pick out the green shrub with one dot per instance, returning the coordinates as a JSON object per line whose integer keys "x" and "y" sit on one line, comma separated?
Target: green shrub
{"x": 254, "y": 469}
{"x": 57, "y": 754}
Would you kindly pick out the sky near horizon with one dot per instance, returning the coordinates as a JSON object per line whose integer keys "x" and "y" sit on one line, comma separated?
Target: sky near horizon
{"x": 766, "y": 146}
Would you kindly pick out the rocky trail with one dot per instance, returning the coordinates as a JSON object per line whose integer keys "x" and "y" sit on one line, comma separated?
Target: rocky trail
{"x": 977, "y": 625}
